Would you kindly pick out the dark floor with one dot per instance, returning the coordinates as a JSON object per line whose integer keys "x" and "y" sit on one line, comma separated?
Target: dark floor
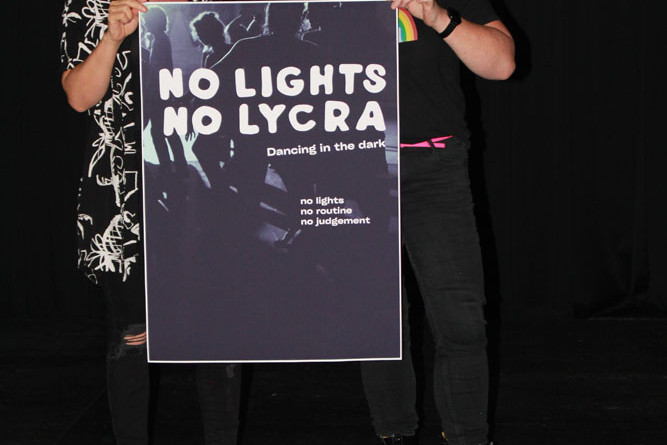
{"x": 581, "y": 382}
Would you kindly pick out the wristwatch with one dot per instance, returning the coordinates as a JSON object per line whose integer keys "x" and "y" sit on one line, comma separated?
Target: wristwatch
{"x": 454, "y": 21}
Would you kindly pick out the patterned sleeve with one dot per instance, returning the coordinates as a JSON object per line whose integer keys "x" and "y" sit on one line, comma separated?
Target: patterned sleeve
{"x": 83, "y": 24}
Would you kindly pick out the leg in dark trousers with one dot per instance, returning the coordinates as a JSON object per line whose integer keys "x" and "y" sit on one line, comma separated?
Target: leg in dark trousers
{"x": 390, "y": 389}
{"x": 128, "y": 388}
{"x": 127, "y": 365}
{"x": 219, "y": 390}
{"x": 440, "y": 237}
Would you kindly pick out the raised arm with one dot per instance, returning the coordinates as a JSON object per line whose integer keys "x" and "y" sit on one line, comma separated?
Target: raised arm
{"x": 487, "y": 50}
{"x": 86, "y": 84}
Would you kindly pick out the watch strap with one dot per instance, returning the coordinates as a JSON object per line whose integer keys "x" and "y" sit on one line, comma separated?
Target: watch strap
{"x": 454, "y": 21}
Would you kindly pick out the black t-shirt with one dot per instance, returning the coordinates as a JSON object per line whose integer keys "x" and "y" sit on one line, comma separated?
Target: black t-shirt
{"x": 431, "y": 99}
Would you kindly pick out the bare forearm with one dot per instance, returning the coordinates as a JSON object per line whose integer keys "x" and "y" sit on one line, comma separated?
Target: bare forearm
{"x": 487, "y": 50}
{"x": 86, "y": 84}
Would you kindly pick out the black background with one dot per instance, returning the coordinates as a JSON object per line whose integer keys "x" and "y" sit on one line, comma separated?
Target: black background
{"x": 567, "y": 161}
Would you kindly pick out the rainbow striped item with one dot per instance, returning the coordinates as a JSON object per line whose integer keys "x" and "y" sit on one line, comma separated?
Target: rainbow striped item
{"x": 407, "y": 30}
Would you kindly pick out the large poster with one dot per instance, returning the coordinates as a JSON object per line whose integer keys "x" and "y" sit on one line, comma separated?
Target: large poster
{"x": 270, "y": 181}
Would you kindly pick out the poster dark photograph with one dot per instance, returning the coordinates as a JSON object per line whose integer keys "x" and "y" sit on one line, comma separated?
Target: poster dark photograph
{"x": 270, "y": 181}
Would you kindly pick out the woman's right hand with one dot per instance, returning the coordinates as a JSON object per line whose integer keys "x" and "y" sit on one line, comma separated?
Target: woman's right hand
{"x": 123, "y": 18}
{"x": 86, "y": 83}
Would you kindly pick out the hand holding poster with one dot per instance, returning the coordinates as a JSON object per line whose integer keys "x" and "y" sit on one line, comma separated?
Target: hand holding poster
{"x": 270, "y": 181}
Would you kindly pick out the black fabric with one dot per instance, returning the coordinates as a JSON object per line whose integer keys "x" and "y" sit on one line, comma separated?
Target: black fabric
{"x": 125, "y": 300}
{"x": 567, "y": 163}
{"x": 432, "y": 101}
{"x": 219, "y": 394}
{"x": 572, "y": 159}
{"x": 618, "y": 164}
{"x": 127, "y": 365}
{"x": 442, "y": 245}
{"x": 128, "y": 392}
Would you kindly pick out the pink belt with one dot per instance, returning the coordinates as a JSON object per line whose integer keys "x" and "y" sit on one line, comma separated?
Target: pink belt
{"x": 432, "y": 143}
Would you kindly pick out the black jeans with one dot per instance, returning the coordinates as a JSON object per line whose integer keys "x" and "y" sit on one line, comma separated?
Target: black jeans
{"x": 218, "y": 385}
{"x": 440, "y": 237}
{"x": 127, "y": 366}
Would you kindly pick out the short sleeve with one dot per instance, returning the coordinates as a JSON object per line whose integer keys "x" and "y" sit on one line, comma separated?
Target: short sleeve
{"x": 83, "y": 24}
{"x": 476, "y": 11}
